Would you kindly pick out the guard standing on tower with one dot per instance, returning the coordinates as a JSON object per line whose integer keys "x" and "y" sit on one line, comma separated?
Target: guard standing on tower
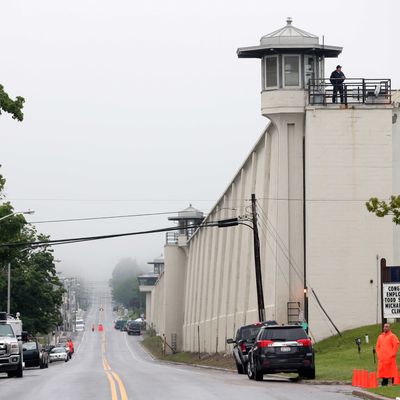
{"x": 337, "y": 78}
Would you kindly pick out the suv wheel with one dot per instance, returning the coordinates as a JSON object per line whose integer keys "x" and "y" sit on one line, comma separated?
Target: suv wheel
{"x": 250, "y": 373}
{"x": 19, "y": 372}
{"x": 240, "y": 368}
{"x": 258, "y": 375}
{"x": 307, "y": 373}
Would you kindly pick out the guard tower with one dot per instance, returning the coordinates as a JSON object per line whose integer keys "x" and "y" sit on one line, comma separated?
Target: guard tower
{"x": 322, "y": 162}
{"x": 290, "y": 59}
{"x": 147, "y": 282}
{"x": 188, "y": 221}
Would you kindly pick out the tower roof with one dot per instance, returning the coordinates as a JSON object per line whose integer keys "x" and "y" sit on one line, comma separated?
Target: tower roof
{"x": 289, "y": 35}
{"x": 289, "y": 39}
{"x": 188, "y": 213}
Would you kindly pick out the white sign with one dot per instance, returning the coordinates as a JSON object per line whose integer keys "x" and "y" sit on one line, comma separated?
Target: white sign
{"x": 391, "y": 300}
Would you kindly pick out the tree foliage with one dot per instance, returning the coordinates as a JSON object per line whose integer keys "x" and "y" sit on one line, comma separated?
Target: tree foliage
{"x": 125, "y": 286}
{"x": 383, "y": 208}
{"x": 36, "y": 291}
{"x": 11, "y": 106}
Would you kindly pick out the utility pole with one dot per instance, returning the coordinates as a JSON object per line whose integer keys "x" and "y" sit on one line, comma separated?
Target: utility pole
{"x": 9, "y": 288}
{"x": 257, "y": 261}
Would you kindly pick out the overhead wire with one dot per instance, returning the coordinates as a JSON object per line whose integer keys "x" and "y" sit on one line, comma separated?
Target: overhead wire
{"x": 110, "y": 217}
{"x": 48, "y": 243}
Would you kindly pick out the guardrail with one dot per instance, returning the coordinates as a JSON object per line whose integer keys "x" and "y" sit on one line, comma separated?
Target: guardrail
{"x": 351, "y": 91}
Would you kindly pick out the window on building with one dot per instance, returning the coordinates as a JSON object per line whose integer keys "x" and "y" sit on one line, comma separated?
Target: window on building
{"x": 309, "y": 68}
{"x": 291, "y": 71}
{"x": 271, "y": 72}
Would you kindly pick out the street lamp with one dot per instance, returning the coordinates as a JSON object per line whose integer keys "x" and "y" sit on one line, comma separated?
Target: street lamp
{"x": 17, "y": 213}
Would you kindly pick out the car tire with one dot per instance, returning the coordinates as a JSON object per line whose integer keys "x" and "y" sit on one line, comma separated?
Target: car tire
{"x": 250, "y": 373}
{"x": 11, "y": 374}
{"x": 258, "y": 375}
{"x": 307, "y": 374}
{"x": 19, "y": 373}
{"x": 240, "y": 369}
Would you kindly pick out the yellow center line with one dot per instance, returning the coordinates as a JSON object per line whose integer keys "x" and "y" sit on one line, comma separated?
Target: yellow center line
{"x": 121, "y": 386}
{"x": 112, "y": 386}
{"x": 111, "y": 375}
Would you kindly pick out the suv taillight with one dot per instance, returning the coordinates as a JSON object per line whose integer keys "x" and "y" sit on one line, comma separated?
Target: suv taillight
{"x": 265, "y": 343}
{"x": 243, "y": 347}
{"x": 304, "y": 342}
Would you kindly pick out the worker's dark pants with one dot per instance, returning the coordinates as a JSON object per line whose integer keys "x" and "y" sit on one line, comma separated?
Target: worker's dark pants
{"x": 385, "y": 381}
{"x": 337, "y": 88}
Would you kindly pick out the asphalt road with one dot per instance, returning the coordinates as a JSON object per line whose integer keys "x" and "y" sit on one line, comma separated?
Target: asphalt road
{"x": 111, "y": 365}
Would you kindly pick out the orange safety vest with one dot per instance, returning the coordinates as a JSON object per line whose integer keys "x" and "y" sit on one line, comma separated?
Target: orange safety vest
{"x": 386, "y": 349}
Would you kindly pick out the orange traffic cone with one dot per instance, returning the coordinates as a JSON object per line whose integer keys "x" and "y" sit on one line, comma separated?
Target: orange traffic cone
{"x": 364, "y": 378}
{"x": 358, "y": 378}
{"x": 354, "y": 378}
{"x": 373, "y": 382}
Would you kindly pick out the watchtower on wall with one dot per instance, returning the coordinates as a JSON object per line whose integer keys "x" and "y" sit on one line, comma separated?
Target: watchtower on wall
{"x": 326, "y": 160}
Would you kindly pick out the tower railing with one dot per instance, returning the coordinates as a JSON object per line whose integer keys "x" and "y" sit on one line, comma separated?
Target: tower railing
{"x": 351, "y": 91}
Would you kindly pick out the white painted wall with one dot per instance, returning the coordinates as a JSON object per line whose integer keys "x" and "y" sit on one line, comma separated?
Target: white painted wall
{"x": 349, "y": 160}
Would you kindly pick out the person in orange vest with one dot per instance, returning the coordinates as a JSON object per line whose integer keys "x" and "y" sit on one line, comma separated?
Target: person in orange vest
{"x": 386, "y": 350}
{"x": 71, "y": 348}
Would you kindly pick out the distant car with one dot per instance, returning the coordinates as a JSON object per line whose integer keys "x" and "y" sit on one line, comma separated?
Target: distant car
{"x": 133, "y": 328}
{"x": 58, "y": 354}
{"x": 63, "y": 342}
{"x": 244, "y": 341}
{"x": 120, "y": 324}
{"x": 35, "y": 355}
{"x": 284, "y": 348}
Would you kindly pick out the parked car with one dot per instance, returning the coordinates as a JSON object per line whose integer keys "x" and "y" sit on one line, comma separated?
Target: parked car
{"x": 58, "y": 354}
{"x": 63, "y": 342}
{"x": 133, "y": 327}
{"x": 35, "y": 355}
{"x": 285, "y": 348}
{"x": 243, "y": 342}
{"x": 120, "y": 324}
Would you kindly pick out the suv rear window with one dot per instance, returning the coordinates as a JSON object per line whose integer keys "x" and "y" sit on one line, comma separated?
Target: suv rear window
{"x": 283, "y": 334}
{"x": 248, "y": 332}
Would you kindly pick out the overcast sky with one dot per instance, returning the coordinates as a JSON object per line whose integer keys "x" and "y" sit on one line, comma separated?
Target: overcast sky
{"x": 143, "y": 106}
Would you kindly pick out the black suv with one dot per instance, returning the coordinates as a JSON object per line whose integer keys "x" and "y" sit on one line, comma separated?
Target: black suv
{"x": 133, "y": 327}
{"x": 35, "y": 355}
{"x": 281, "y": 349}
{"x": 244, "y": 341}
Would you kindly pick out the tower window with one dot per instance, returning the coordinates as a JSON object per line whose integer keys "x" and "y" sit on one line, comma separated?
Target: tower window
{"x": 271, "y": 72}
{"x": 291, "y": 71}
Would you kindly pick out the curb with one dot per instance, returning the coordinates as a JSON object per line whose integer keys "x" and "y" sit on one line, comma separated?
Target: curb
{"x": 367, "y": 395}
{"x": 181, "y": 363}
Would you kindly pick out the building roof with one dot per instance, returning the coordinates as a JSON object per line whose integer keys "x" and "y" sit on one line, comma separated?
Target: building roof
{"x": 289, "y": 35}
{"x": 289, "y": 39}
{"x": 159, "y": 260}
{"x": 188, "y": 213}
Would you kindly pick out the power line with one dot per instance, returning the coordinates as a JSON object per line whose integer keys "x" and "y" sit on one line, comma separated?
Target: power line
{"x": 109, "y": 217}
{"x": 46, "y": 243}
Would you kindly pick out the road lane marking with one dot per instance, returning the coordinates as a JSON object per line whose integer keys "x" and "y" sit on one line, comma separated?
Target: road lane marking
{"x": 121, "y": 386}
{"x": 112, "y": 386}
{"x": 112, "y": 376}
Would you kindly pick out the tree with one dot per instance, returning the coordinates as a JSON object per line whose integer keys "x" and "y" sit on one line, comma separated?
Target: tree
{"x": 36, "y": 290}
{"x": 124, "y": 284}
{"x": 382, "y": 208}
{"x": 13, "y": 107}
